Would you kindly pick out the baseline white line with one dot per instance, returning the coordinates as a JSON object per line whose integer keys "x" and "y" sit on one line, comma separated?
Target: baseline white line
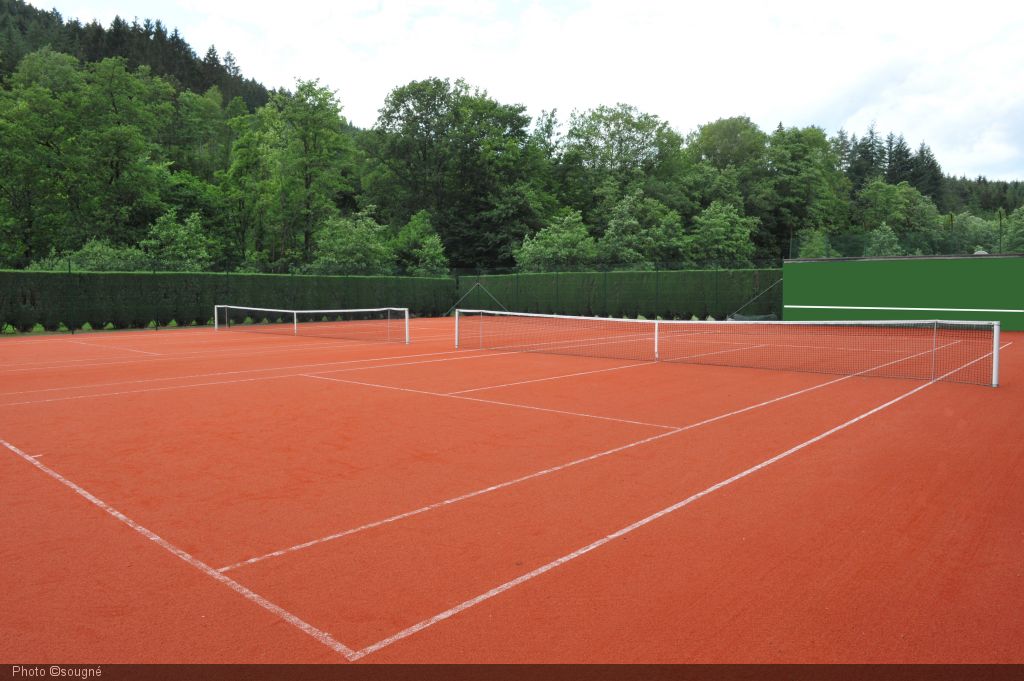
{"x": 550, "y": 378}
{"x": 465, "y": 605}
{"x": 303, "y": 626}
{"x": 524, "y": 478}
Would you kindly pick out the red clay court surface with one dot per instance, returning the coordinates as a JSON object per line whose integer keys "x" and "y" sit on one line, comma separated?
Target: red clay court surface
{"x": 201, "y": 496}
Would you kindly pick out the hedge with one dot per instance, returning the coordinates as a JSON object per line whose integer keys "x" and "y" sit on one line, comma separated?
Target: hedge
{"x": 657, "y": 293}
{"x": 134, "y": 299}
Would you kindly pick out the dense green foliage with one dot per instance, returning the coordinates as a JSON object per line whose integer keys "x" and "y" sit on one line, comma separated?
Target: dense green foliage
{"x": 25, "y": 29}
{"x": 120, "y": 150}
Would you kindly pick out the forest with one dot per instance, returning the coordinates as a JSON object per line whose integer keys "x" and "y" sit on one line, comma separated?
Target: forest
{"x": 122, "y": 150}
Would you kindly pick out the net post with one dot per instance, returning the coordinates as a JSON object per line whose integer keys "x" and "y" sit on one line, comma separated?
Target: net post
{"x": 295, "y": 323}
{"x": 216, "y": 318}
{"x": 995, "y": 355}
{"x": 456, "y": 329}
{"x": 657, "y": 326}
{"x": 406, "y": 326}
{"x": 935, "y": 333}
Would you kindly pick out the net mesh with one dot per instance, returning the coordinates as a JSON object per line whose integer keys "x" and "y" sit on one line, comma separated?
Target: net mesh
{"x": 386, "y": 324}
{"x": 926, "y": 350}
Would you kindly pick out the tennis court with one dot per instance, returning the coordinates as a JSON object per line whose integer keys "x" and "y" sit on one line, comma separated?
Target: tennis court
{"x": 203, "y": 495}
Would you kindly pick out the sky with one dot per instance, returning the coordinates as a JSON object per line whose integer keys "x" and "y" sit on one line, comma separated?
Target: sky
{"x": 948, "y": 74}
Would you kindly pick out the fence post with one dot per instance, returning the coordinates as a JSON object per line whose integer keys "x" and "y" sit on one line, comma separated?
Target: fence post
{"x": 657, "y": 291}
{"x": 558, "y": 300}
{"x": 606, "y": 312}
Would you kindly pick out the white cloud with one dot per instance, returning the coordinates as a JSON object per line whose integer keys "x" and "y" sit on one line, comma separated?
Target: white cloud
{"x": 941, "y": 73}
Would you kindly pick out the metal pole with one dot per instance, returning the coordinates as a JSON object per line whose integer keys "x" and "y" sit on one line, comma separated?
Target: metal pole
{"x": 995, "y": 356}
{"x": 456, "y": 329}
{"x": 935, "y": 332}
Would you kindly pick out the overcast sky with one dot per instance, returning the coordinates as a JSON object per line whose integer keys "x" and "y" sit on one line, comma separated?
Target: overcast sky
{"x": 943, "y": 73}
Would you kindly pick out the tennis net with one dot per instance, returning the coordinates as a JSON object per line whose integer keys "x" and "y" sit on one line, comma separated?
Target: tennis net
{"x": 962, "y": 352}
{"x": 390, "y": 324}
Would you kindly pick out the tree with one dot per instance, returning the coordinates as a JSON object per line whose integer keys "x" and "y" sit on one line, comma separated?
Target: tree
{"x": 899, "y": 166}
{"x": 913, "y": 216}
{"x": 450, "y": 149}
{"x": 609, "y": 153}
{"x": 641, "y": 232}
{"x": 95, "y": 256}
{"x": 882, "y": 241}
{"x": 353, "y": 245}
{"x": 807, "y": 188}
{"x": 738, "y": 151}
{"x": 177, "y": 246}
{"x": 814, "y": 243}
{"x": 926, "y": 173}
{"x": 1014, "y": 241}
{"x": 418, "y": 249}
{"x": 316, "y": 159}
{"x": 563, "y": 243}
{"x": 867, "y": 158}
{"x": 722, "y": 237}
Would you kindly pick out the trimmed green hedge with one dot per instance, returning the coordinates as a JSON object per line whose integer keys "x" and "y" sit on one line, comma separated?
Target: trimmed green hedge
{"x": 134, "y": 299}
{"x": 657, "y": 293}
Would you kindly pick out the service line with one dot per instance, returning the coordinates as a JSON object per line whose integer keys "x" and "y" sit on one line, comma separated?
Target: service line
{"x": 547, "y": 567}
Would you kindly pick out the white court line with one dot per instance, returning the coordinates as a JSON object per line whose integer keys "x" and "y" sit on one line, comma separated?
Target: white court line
{"x": 212, "y": 354}
{"x": 248, "y": 380}
{"x": 239, "y": 371}
{"x": 253, "y": 597}
{"x": 145, "y": 390}
{"x": 546, "y": 471}
{"x": 115, "y": 347}
{"x": 529, "y": 476}
{"x": 465, "y": 605}
{"x": 549, "y": 378}
{"x": 484, "y": 401}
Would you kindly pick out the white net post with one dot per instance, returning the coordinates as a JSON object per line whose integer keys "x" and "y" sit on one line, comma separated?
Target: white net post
{"x": 456, "y": 329}
{"x": 935, "y": 333}
{"x": 216, "y": 317}
{"x": 656, "y": 354}
{"x": 995, "y": 355}
{"x": 295, "y": 323}
{"x": 406, "y": 311}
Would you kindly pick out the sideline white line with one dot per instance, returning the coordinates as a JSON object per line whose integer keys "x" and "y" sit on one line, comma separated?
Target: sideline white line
{"x": 549, "y": 378}
{"x": 465, "y": 605}
{"x": 303, "y": 626}
{"x": 524, "y": 478}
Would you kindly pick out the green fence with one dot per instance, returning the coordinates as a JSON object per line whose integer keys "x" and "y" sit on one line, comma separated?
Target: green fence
{"x": 658, "y": 293}
{"x": 55, "y": 300}
{"x": 974, "y": 288}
